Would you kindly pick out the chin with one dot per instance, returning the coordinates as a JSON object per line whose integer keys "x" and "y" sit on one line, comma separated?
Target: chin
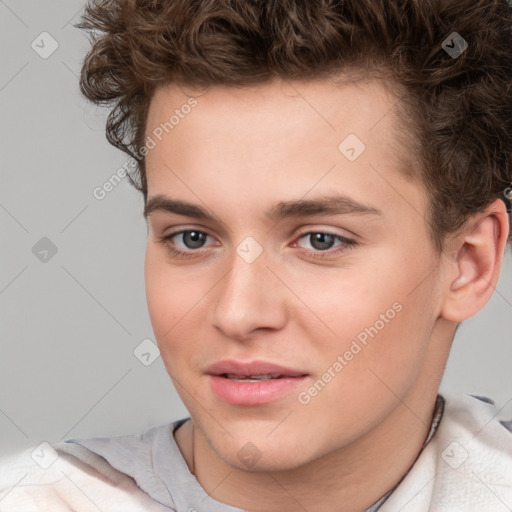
{"x": 260, "y": 453}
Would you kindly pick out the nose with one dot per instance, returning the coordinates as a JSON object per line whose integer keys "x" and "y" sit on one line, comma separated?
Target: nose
{"x": 249, "y": 297}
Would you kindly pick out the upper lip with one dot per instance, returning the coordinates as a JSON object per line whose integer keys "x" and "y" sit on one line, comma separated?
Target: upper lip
{"x": 246, "y": 369}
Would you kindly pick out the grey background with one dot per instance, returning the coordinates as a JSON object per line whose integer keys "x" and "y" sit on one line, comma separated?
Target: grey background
{"x": 69, "y": 325}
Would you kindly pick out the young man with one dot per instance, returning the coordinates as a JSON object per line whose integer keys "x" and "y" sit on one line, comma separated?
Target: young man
{"x": 326, "y": 188}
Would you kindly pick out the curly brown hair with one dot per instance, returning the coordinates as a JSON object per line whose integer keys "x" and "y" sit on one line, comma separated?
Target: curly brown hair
{"x": 460, "y": 106}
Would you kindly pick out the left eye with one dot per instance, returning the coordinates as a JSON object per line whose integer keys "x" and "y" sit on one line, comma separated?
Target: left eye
{"x": 191, "y": 238}
{"x": 321, "y": 241}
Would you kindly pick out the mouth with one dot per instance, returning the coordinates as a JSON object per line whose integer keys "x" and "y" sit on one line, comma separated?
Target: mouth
{"x": 254, "y": 383}
{"x": 253, "y": 378}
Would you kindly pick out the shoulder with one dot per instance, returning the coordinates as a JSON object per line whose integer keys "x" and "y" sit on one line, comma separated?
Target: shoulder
{"x": 467, "y": 465}
{"x": 474, "y": 456}
{"x": 478, "y": 425}
{"x": 67, "y": 477}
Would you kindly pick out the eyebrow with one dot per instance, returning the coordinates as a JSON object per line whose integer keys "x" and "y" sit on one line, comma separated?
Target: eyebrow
{"x": 337, "y": 204}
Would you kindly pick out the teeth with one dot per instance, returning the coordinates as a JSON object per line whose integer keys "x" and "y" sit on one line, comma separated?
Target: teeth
{"x": 251, "y": 378}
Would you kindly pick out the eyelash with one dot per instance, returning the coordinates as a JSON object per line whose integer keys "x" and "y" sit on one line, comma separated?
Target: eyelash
{"x": 348, "y": 243}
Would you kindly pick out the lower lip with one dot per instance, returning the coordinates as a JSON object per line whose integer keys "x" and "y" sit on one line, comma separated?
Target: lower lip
{"x": 253, "y": 393}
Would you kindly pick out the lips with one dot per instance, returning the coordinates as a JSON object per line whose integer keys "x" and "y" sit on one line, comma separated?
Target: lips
{"x": 237, "y": 369}
{"x": 254, "y": 383}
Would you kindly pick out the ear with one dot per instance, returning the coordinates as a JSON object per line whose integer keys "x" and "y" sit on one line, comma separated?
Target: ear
{"x": 473, "y": 269}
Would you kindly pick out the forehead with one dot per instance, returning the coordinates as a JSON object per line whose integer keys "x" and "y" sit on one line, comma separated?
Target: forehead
{"x": 278, "y": 114}
{"x": 276, "y": 139}
{"x": 356, "y": 106}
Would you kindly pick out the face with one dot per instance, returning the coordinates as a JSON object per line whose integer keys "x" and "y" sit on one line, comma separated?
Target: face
{"x": 339, "y": 294}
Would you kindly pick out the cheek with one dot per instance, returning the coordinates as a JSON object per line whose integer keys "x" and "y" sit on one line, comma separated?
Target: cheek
{"x": 340, "y": 303}
{"x": 176, "y": 298}
{"x": 358, "y": 382}
{"x": 167, "y": 298}
{"x": 375, "y": 317}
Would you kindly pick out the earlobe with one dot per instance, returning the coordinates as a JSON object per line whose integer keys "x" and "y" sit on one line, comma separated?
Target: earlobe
{"x": 473, "y": 273}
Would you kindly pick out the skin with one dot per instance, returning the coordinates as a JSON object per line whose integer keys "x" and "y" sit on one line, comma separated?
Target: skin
{"x": 237, "y": 153}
